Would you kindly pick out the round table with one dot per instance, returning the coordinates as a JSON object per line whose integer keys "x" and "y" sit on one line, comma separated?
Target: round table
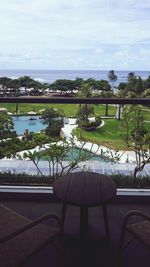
{"x": 85, "y": 189}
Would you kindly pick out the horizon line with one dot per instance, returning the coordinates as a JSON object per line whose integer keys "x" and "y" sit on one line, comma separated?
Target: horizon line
{"x": 22, "y": 69}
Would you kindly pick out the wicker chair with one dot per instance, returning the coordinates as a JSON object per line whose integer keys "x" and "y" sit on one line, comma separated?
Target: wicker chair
{"x": 20, "y": 237}
{"x": 139, "y": 229}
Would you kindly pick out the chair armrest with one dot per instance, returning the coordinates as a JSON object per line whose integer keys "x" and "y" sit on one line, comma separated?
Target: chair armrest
{"x": 135, "y": 213}
{"x": 32, "y": 224}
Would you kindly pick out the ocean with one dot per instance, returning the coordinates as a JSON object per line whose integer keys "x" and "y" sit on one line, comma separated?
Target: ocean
{"x": 49, "y": 76}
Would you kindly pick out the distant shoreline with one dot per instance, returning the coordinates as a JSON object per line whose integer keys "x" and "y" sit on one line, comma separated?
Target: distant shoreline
{"x": 51, "y": 76}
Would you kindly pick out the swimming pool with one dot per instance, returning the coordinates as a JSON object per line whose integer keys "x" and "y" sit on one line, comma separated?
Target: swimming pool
{"x": 32, "y": 123}
{"x": 35, "y": 124}
{"x": 76, "y": 153}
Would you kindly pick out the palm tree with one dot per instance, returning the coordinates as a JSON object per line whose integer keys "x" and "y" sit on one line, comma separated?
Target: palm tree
{"x": 131, "y": 76}
{"x": 106, "y": 94}
{"x": 139, "y": 88}
{"x": 86, "y": 91}
{"x": 112, "y": 77}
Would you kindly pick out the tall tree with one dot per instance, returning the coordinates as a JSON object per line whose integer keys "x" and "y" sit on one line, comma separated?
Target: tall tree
{"x": 6, "y": 125}
{"x": 138, "y": 88}
{"x": 64, "y": 85}
{"x": 112, "y": 77}
{"x": 4, "y": 83}
{"x": 78, "y": 83}
{"x": 131, "y": 76}
{"x": 85, "y": 110}
{"x": 25, "y": 81}
{"x": 137, "y": 136}
{"x": 54, "y": 120}
{"x": 102, "y": 86}
{"x": 106, "y": 94}
{"x": 147, "y": 83}
{"x": 14, "y": 84}
{"x": 86, "y": 90}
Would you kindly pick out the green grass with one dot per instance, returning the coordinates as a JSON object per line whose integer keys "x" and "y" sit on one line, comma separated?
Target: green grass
{"x": 70, "y": 110}
{"x": 110, "y": 135}
{"x": 146, "y": 115}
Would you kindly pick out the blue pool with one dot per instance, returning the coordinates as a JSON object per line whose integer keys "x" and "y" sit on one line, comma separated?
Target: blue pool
{"x": 32, "y": 123}
{"x": 35, "y": 124}
{"x": 75, "y": 153}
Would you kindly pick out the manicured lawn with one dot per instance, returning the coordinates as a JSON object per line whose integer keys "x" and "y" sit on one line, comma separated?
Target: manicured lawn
{"x": 146, "y": 114}
{"x": 70, "y": 110}
{"x": 110, "y": 135}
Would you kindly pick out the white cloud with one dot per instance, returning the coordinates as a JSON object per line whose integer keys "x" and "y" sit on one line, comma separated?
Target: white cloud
{"x": 88, "y": 31}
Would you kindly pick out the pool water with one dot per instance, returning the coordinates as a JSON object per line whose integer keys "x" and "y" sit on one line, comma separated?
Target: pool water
{"x": 35, "y": 124}
{"x": 32, "y": 123}
{"x": 75, "y": 153}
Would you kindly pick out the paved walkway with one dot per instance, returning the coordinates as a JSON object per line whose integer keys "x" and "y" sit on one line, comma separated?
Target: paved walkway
{"x": 125, "y": 156}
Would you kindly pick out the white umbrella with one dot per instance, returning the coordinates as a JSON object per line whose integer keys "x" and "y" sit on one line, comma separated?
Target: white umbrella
{"x": 3, "y": 109}
{"x": 41, "y": 110}
{"x": 32, "y": 113}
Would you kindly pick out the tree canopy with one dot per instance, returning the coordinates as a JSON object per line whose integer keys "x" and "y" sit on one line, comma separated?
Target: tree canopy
{"x": 112, "y": 77}
{"x": 6, "y": 125}
{"x": 54, "y": 120}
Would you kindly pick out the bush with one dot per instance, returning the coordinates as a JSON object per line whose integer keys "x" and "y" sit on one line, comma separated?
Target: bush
{"x": 8, "y": 148}
{"x": 98, "y": 120}
{"x": 127, "y": 181}
{"x": 24, "y": 179}
{"x": 90, "y": 126}
{"x": 122, "y": 181}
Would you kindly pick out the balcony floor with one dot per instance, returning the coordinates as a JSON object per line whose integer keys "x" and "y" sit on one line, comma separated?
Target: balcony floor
{"x": 98, "y": 252}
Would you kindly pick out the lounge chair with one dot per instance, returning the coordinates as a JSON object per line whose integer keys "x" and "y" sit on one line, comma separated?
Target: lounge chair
{"x": 139, "y": 229}
{"x": 21, "y": 237}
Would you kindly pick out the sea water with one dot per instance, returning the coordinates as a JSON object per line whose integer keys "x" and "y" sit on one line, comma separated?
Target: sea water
{"x": 49, "y": 76}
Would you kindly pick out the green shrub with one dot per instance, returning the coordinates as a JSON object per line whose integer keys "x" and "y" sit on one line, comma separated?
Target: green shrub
{"x": 127, "y": 181}
{"x": 98, "y": 120}
{"x": 122, "y": 181}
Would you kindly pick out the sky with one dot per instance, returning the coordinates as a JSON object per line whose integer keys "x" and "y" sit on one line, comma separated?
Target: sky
{"x": 75, "y": 34}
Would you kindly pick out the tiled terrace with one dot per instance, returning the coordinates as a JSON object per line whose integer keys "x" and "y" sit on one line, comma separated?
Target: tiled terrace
{"x": 99, "y": 253}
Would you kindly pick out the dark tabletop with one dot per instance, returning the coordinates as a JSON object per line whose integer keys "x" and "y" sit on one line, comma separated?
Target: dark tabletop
{"x": 84, "y": 188}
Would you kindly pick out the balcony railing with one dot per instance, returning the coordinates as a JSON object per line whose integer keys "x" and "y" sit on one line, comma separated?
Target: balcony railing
{"x": 76, "y": 100}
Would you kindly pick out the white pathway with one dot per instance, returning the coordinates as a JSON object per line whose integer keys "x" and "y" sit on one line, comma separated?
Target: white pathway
{"x": 125, "y": 156}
